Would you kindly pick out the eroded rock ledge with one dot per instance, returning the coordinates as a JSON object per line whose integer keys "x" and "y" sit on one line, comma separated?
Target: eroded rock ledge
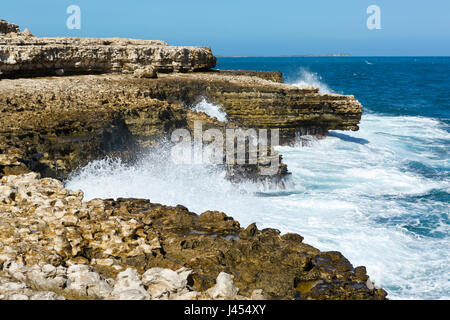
{"x": 54, "y": 245}
{"x": 45, "y": 229}
{"x": 54, "y": 125}
{"x": 23, "y": 55}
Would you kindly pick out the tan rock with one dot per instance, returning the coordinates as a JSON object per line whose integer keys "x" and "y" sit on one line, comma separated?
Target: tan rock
{"x": 26, "y": 55}
{"x": 165, "y": 283}
{"x": 147, "y": 72}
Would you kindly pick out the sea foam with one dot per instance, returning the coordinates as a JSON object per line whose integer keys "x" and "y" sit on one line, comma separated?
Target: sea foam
{"x": 355, "y": 192}
{"x": 212, "y": 110}
{"x": 308, "y": 78}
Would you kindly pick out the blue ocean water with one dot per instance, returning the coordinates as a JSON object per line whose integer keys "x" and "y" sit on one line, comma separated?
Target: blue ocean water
{"x": 379, "y": 195}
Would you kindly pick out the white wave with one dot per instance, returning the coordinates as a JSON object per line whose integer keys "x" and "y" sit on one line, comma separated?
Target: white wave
{"x": 212, "y": 110}
{"x": 307, "y": 78}
{"x": 350, "y": 194}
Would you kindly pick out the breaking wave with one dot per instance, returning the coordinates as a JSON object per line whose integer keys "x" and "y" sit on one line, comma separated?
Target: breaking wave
{"x": 212, "y": 110}
{"x": 307, "y": 78}
{"x": 379, "y": 195}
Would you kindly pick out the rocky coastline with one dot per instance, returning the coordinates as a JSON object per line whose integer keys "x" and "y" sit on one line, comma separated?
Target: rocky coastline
{"x": 65, "y": 102}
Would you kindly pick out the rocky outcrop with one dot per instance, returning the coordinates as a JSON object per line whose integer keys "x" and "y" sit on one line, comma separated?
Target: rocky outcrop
{"x": 250, "y": 100}
{"x": 53, "y": 241}
{"x": 22, "y": 55}
{"x": 54, "y": 125}
{"x": 57, "y": 124}
{"x": 7, "y": 28}
{"x": 81, "y": 282}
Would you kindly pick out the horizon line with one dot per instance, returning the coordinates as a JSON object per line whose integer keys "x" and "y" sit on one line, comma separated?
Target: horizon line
{"x": 331, "y": 56}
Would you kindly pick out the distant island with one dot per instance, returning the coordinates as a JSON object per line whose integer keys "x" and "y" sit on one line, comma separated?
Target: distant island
{"x": 323, "y": 55}
{"x": 292, "y": 56}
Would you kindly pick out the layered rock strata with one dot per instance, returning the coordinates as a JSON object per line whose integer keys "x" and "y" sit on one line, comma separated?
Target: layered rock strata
{"x": 250, "y": 100}
{"x": 7, "y": 28}
{"x": 60, "y": 123}
{"x": 45, "y": 229}
{"x": 22, "y": 54}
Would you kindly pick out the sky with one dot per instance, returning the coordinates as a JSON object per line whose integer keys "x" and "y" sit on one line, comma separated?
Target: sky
{"x": 249, "y": 27}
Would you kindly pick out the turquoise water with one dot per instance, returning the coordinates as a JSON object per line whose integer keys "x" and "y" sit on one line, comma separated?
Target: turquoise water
{"x": 379, "y": 195}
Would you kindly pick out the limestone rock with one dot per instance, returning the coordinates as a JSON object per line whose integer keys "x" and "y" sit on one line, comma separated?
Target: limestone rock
{"x": 45, "y": 227}
{"x": 27, "y": 33}
{"x": 83, "y": 281}
{"x": 165, "y": 283}
{"x": 224, "y": 288}
{"x": 66, "y": 122}
{"x": 257, "y": 295}
{"x": 13, "y": 289}
{"x": 129, "y": 286}
{"x": 147, "y": 72}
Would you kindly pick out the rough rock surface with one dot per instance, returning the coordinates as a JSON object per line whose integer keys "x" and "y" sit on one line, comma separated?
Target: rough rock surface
{"x": 255, "y": 102}
{"x": 21, "y": 54}
{"x": 8, "y": 28}
{"x": 52, "y": 240}
{"x": 54, "y": 125}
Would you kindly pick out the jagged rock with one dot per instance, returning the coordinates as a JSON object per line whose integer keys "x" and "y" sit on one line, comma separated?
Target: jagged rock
{"x": 13, "y": 289}
{"x": 254, "y": 102}
{"x": 165, "y": 283}
{"x": 46, "y": 296}
{"x": 47, "y": 278}
{"x": 82, "y": 280}
{"x": 147, "y": 72}
{"x": 6, "y": 27}
{"x": 27, "y": 33}
{"x": 37, "y": 241}
{"x": 129, "y": 286}
{"x": 24, "y": 55}
{"x": 55, "y": 125}
{"x": 10, "y": 164}
{"x": 224, "y": 288}
{"x": 257, "y": 295}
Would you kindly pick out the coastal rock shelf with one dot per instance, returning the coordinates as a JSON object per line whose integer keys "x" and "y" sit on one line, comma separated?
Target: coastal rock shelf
{"x": 45, "y": 229}
{"x": 22, "y": 54}
{"x": 252, "y": 100}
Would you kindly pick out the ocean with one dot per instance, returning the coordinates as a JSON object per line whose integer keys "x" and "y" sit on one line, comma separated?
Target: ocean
{"x": 379, "y": 195}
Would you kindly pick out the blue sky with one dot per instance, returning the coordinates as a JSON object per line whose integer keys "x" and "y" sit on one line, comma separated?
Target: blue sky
{"x": 248, "y": 27}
